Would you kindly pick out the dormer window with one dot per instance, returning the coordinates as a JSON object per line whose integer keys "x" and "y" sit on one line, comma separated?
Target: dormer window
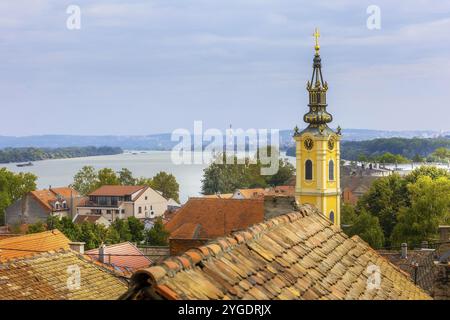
{"x": 64, "y": 204}
{"x": 57, "y": 205}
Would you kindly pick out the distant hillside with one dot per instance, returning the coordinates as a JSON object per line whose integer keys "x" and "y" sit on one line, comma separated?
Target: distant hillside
{"x": 33, "y": 154}
{"x": 408, "y": 148}
{"x": 163, "y": 141}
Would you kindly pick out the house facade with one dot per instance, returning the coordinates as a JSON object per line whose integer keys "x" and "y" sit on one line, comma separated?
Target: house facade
{"x": 120, "y": 202}
{"x": 38, "y": 205}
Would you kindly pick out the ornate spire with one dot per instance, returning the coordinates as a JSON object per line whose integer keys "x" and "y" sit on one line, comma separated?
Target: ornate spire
{"x": 317, "y": 88}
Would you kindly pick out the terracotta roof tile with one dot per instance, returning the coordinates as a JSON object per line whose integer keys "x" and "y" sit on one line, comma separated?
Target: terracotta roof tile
{"x": 116, "y": 190}
{"x": 31, "y": 244}
{"x": 296, "y": 256}
{"x": 47, "y": 196}
{"x": 207, "y": 218}
{"x": 46, "y": 276}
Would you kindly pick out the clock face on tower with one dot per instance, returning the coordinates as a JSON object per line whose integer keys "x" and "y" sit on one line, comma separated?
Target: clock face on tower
{"x": 309, "y": 144}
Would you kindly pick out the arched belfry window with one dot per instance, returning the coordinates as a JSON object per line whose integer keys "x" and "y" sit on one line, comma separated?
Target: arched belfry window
{"x": 331, "y": 170}
{"x": 332, "y": 216}
{"x": 308, "y": 170}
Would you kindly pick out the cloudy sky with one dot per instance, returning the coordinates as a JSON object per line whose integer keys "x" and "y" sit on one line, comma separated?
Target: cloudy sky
{"x": 150, "y": 66}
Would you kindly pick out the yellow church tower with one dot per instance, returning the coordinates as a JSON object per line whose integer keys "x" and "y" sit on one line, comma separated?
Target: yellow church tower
{"x": 318, "y": 150}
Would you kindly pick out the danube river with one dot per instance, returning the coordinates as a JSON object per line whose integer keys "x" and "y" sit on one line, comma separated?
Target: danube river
{"x": 60, "y": 172}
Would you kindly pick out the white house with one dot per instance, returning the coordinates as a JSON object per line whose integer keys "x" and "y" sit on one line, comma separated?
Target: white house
{"x": 114, "y": 202}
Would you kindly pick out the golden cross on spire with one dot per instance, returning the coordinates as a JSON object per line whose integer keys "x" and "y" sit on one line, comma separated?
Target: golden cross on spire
{"x": 316, "y": 36}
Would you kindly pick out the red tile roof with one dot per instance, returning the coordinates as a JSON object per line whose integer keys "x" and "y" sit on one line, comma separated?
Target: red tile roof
{"x": 31, "y": 244}
{"x": 47, "y": 197}
{"x": 299, "y": 255}
{"x": 214, "y": 217}
{"x": 109, "y": 190}
{"x": 124, "y": 254}
{"x": 48, "y": 276}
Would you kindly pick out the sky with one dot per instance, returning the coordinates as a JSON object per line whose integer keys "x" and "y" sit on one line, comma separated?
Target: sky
{"x": 139, "y": 67}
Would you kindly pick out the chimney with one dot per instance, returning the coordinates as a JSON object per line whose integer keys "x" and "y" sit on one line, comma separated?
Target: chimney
{"x": 101, "y": 253}
{"x": 77, "y": 246}
{"x": 404, "y": 253}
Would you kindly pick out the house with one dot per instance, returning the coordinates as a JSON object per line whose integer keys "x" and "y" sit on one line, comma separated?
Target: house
{"x": 62, "y": 274}
{"x": 355, "y": 186}
{"x": 99, "y": 220}
{"x": 114, "y": 201}
{"x": 38, "y": 205}
{"x": 299, "y": 255}
{"x": 202, "y": 219}
{"x": 30, "y": 244}
{"x": 123, "y": 255}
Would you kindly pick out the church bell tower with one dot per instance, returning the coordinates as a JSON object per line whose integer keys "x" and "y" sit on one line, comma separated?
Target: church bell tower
{"x": 318, "y": 149}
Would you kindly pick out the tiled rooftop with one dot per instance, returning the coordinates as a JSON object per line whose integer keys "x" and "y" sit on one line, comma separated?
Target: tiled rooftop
{"x": 125, "y": 255}
{"x": 51, "y": 275}
{"x": 113, "y": 190}
{"x": 31, "y": 244}
{"x": 214, "y": 217}
{"x": 299, "y": 255}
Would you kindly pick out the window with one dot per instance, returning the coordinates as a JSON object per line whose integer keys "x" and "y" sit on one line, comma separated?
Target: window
{"x": 140, "y": 210}
{"x": 123, "y": 210}
{"x": 146, "y": 197}
{"x": 308, "y": 170}
{"x": 332, "y": 216}
{"x": 64, "y": 204}
{"x": 331, "y": 170}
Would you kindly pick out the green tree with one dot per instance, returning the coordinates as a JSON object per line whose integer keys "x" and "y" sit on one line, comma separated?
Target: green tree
{"x": 368, "y": 228}
{"x": 136, "y": 229}
{"x": 392, "y": 158}
{"x": 430, "y": 206}
{"x": 285, "y": 172}
{"x": 383, "y": 200}
{"x": 39, "y": 226}
{"x": 66, "y": 226}
{"x": 122, "y": 228}
{"x": 157, "y": 235}
{"x": 167, "y": 184}
{"x": 426, "y": 171}
{"x": 86, "y": 180}
{"x": 442, "y": 153}
{"x": 107, "y": 176}
{"x": 126, "y": 177}
{"x": 14, "y": 186}
{"x": 231, "y": 173}
{"x": 92, "y": 235}
{"x": 348, "y": 214}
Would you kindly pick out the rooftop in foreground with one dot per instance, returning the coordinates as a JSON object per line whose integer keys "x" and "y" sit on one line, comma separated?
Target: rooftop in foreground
{"x": 299, "y": 255}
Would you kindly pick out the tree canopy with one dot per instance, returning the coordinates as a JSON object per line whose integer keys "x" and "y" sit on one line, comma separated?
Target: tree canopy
{"x": 14, "y": 186}
{"x": 233, "y": 173}
{"x": 407, "y": 209}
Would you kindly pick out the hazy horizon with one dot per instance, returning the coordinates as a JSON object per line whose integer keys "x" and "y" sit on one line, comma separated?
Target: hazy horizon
{"x": 148, "y": 67}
